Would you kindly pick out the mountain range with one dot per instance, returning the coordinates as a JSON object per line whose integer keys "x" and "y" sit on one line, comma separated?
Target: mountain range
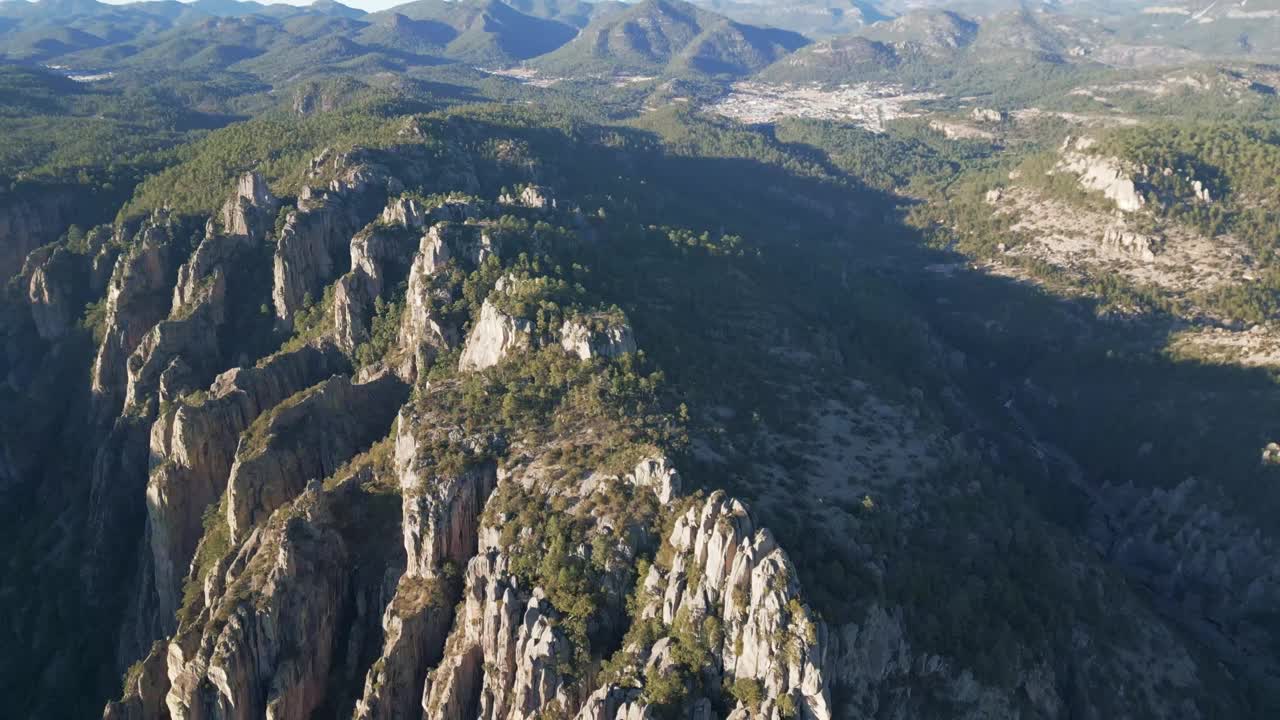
{"x": 710, "y": 37}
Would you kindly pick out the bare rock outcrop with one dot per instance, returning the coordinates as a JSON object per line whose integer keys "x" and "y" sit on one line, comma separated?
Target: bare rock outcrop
{"x": 375, "y": 251}
{"x": 509, "y": 655}
{"x": 656, "y": 473}
{"x": 1106, "y": 175}
{"x": 251, "y": 210}
{"x": 424, "y": 332}
{"x": 494, "y": 335}
{"x": 312, "y": 243}
{"x": 137, "y": 299}
{"x": 441, "y": 528}
{"x": 193, "y": 445}
{"x": 988, "y": 115}
{"x": 534, "y": 197}
{"x": 145, "y": 690}
{"x": 246, "y": 217}
{"x": 723, "y": 566}
{"x": 616, "y": 703}
{"x": 191, "y": 334}
{"x": 598, "y": 335}
{"x": 1132, "y": 245}
{"x": 266, "y": 639}
{"x": 55, "y": 281}
{"x": 306, "y": 437}
{"x": 415, "y": 625}
{"x": 29, "y": 222}
{"x": 406, "y": 211}
{"x": 304, "y": 259}
{"x": 503, "y": 657}
{"x": 442, "y": 506}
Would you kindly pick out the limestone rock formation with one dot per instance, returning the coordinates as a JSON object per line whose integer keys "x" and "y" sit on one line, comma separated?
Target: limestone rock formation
{"x": 494, "y": 335}
{"x": 723, "y": 566}
{"x": 415, "y": 625}
{"x": 372, "y": 251}
{"x": 306, "y": 437}
{"x": 55, "y": 285}
{"x": 27, "y": 223}
{"x": 597, "y": 336}
{"x": 145, "y": 691}
{"x": 441, "y": 509}
{"x": 988, "y": 115}
{"x": 378, "y": 252}
{"x": 503, "y": 657}
{"x": 312, "y": 244}
{"x": 405, "y": 211}
{"x": 192, "y": 334}
{"x": 1105, "y": 175}
{"x": 534, "y": 197}
{"x": 251, "y": 210}
{"x": 654, "y": 472}
{"x": 423, "y": 331}
{"x": 1134, "y": 246}
{"x": 312, "y": 235}
{"x": 137, "y": 299}
{"x": 267, "y": 636}
{"x": 1201, "y": 192}
{"x": 193, "y": 445}
{"x": 246, "y": 218}
{"x": 616, "y": 703}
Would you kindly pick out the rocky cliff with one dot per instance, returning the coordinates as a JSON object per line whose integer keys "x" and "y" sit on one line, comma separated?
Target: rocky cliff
{"x": 306, "y": 437}
{"x": 193, "y": 445}
{"x": 29, "y": 221}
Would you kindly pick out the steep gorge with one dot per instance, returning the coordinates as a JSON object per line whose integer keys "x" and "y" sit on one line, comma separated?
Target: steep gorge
{"x": 383, "y": 449}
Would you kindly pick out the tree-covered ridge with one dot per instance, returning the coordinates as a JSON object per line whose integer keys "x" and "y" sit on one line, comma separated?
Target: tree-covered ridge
{"x": 1238, "y": 164}
{"x": 61, "y": 131}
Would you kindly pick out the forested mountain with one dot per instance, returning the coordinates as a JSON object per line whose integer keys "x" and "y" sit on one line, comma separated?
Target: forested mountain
{"x": 624, "y": 361}
{"x": 488, "y": 31}
{"x": 658, "y": 36}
